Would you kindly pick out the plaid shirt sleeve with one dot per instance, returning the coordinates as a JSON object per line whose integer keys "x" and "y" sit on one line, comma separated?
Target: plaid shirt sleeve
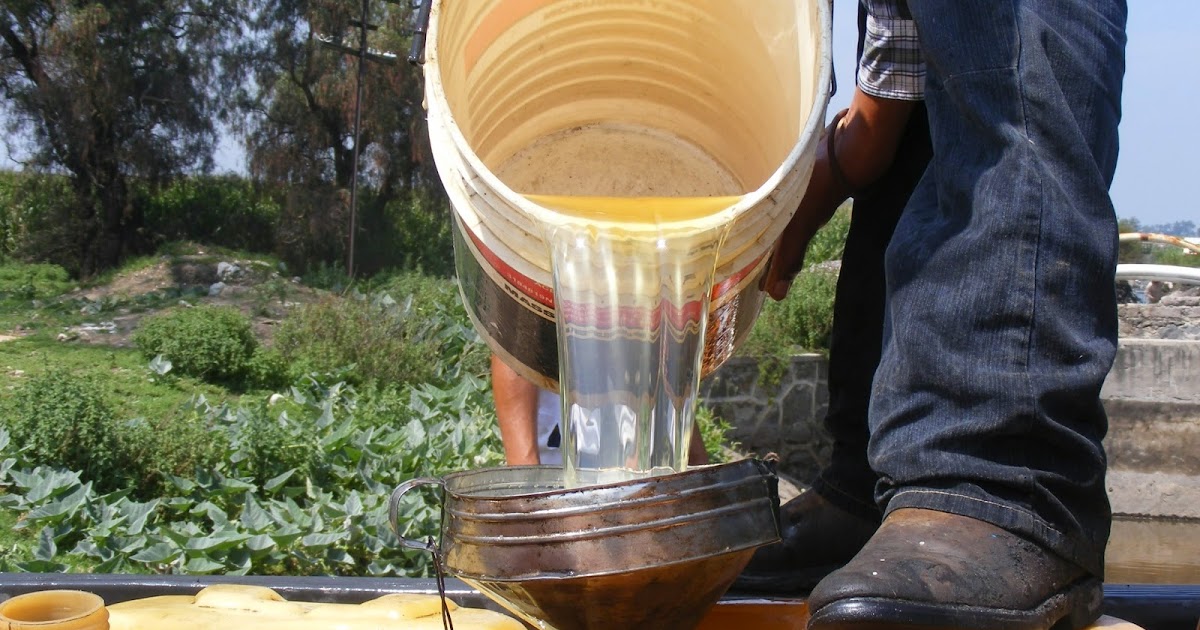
{"x": 891, "y": 65}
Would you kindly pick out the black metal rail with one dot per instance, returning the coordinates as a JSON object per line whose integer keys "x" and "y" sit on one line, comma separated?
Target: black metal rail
{"x": 1151, "y": 606}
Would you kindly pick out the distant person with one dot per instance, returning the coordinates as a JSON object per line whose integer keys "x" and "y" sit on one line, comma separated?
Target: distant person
{"x": 528, "y": 417}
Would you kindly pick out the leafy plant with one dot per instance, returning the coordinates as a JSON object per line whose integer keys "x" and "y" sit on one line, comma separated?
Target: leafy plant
{"x": 210, "y": 342}
{"x": 63, "y": 419}
{"x": 33, "y": 281}
{"x": 315, "y": 505}
{"x": 419, "y": 339}
{"x": 714, "y": 432}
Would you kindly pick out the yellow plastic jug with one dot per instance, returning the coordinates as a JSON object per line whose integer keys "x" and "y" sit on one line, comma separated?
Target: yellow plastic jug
{"x": 236, "y": 606}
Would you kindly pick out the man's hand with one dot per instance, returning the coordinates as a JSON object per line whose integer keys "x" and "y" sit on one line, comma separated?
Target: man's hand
{"x": 861, "y": 143}
{"x": 820, "y": 201}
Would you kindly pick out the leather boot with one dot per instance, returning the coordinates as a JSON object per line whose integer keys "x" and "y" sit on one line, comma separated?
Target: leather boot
{"x": 929, "y": 569}
{"x": 817, "y": 538}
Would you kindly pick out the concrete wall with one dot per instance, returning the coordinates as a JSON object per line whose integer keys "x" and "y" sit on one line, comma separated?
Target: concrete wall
{"x": 1152, "y": 396}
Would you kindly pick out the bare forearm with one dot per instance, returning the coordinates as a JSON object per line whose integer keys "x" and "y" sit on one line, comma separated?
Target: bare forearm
{"x": 516, "y": 413}
{"x": 863, "y": 144}
{"x": 867, "y": 137}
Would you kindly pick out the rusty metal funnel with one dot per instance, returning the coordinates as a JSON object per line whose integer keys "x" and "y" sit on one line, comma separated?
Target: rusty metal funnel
{"x": 652, "y": 553}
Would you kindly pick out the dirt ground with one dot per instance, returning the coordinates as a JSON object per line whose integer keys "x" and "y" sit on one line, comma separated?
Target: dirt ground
{"x": 253, "y": 287}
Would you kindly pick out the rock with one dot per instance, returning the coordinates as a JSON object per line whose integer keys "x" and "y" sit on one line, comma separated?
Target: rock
{"x": 1181, "y": 298}
{"x": 1125, "y": 294}
{"x": 215, "y": 289}
{"x": 228, "y": 271}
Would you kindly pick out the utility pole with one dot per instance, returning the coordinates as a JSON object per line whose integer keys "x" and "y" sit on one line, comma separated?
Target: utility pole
{"x": 364, "y": 55}
{"x": 358, "y": 96}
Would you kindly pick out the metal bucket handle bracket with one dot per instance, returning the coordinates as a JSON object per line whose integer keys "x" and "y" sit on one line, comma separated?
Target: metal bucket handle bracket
{"x": 394, "y": 509}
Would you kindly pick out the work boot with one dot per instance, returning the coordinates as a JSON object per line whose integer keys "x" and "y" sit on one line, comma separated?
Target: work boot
{"x": 817, "y": 538}
{"x": 929, "y": 569}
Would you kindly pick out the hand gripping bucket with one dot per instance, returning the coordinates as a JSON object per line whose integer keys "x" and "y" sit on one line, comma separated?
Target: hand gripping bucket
{"x": 619, "y": 98}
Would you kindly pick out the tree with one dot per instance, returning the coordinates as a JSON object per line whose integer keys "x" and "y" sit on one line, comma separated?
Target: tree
{"x": 299, "y": 122}
{"x": 109, "y": 91}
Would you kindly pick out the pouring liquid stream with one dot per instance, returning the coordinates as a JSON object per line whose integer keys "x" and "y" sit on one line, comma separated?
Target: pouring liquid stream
{"x": 632, "y": 291}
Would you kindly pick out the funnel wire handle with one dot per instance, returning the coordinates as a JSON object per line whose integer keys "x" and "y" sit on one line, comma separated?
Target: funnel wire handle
{"x": 447, "y": 621}
{"x": 394, "y": 514}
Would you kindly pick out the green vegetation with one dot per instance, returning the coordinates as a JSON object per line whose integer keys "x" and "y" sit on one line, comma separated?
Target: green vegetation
{"x": 63, "y": 419}
{"x": 110, "y": 462}
{"x": 213, "y": 343}
{"x": 199, "y": 448}
{"x": 301, "y": 488}
{"x": 33, "y": 281}
{"x": 425, "y": 338}
{"x": 803, "y": 320}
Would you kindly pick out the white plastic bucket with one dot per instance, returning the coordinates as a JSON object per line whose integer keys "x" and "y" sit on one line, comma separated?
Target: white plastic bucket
{"x": 623, "y": 98}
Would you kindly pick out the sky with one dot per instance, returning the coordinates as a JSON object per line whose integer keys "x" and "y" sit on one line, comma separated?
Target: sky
{"x": 1158, "y": 170}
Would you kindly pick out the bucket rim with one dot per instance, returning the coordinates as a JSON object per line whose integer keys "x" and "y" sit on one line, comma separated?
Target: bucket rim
{"x": 437, "y": 101}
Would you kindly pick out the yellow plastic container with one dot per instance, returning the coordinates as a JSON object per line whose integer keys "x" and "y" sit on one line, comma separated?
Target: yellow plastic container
{"x": 224, "y": 606}
{"x": 539, "y": 110}
{"x": 54, "y": 610}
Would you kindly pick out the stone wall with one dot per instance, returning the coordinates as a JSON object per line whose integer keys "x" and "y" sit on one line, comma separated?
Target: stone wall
{"x": 782, "y": 417}
{"x": 1174, "y": 316}
{"x": 1152, "y": 397}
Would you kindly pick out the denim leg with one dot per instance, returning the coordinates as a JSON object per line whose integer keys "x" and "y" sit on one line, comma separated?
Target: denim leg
{"x": 1001, "y": 317}
{"x": 857, "y": 337}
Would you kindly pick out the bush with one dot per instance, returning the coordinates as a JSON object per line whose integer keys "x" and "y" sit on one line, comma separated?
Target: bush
{"x": 422, "y": 338}
{"x": 64, "y": 421}
{"x": 714, "y": 432}
{"x": 225, "y": 211}
{"x": 213, "y": 343}
{"x": 36, "y": 220}
{"x": 158, "y": 448}
{"x": 33, "y": 281}
{"x": 376, "y": 338}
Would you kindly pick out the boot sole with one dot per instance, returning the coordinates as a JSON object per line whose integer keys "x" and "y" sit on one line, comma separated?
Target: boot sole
{"x": 1072, "y": 608}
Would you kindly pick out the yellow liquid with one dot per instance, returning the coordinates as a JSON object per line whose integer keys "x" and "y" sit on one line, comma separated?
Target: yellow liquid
{"x": 631, "y": 316}
{"x": 635, "y": 210}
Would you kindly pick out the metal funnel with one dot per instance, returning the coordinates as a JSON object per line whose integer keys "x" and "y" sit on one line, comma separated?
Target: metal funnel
{"x": 653, "y": 553}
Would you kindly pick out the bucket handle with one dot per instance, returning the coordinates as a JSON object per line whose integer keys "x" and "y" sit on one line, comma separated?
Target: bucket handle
{"x": 416, "y": 55}
{"x": 394, "y": 509}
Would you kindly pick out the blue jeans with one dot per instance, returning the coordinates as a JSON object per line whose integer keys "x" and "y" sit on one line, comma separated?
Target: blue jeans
{"x": 1000, "y": 322}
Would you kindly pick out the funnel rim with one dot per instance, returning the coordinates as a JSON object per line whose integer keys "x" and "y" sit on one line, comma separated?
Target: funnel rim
{"x": 692, "y": 472}
{"x": 669, "y": 522}
{"x": 748, "y": 483}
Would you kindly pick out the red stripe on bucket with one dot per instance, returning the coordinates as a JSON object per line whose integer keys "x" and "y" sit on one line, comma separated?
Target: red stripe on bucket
{"x": 521, "y": 282}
